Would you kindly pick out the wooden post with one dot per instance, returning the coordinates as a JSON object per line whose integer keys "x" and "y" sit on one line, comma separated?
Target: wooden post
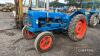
{"x": 19, "y": 13}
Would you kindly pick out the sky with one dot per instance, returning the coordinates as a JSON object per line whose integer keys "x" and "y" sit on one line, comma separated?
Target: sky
{"x": 61, "y": 1}
{"x": 4, "y": 1}
{"x": 12, "y": 1}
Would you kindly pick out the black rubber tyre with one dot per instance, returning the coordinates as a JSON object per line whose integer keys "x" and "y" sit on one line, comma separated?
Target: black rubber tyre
{"x": 39, "y": 39}
{"x": 93, "y": 20}
{"x": 99, "y": 17}
{"x": 27, "y": 34}
{"x": 72, "y": 26}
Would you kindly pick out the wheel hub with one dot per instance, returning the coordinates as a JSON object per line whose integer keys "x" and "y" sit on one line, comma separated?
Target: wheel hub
{"x": 80, "y": 29}
{"x": 45, "y": 42}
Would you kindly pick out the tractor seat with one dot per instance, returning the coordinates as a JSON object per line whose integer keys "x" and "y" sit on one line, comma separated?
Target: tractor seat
{"x": 70, "y": 9}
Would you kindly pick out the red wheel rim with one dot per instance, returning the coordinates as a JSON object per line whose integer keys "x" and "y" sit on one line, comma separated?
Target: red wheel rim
{"x": 28, "y": 34}
{"x": 45, "y": 42}
{"x": 80, "y": 28}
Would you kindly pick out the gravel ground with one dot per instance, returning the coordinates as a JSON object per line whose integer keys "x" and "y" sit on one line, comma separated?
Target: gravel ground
{"x": 12, "y": 43}
{"x": 7, "y": 20}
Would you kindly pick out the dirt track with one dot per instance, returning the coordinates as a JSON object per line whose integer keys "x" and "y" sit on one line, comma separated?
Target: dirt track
{"x": 13, "y": 44}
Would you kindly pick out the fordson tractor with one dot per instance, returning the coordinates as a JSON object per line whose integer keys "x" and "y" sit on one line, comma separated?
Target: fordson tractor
{"x": 40, "y": 24}
{"x": 91, "y": 12}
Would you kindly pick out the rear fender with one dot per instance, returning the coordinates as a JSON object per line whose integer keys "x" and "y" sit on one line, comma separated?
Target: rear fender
{"x": 76, "y": 13}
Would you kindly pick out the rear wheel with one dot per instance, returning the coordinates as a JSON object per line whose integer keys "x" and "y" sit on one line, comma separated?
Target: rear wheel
{"x": 27, "y": 34}
{"x": 44, "y": 41}
{"x": 99, "y": 17}
{"x": 77, "y": 28}
{"x": 93, "y": 20}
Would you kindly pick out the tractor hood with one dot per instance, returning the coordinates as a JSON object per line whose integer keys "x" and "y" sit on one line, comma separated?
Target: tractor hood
{"x": 45, "y": 14}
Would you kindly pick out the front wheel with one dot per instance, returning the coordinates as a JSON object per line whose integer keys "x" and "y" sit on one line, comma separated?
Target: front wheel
{"x": 77, "y": 28}
{"x": 44, "y": 41}
{"x": 27, "y": 34}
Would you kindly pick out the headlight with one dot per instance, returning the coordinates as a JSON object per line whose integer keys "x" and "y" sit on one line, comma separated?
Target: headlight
{"x": 37, "y": 22}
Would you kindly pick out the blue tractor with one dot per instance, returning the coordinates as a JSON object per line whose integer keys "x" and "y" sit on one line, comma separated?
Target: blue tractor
{"x": 91, "y": 12}
{"x": 40, "y": 25}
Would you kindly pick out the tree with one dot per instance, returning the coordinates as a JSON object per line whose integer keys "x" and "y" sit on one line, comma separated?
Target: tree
{"x": 75, "y": 2}
{"x": 56, "y": 4}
